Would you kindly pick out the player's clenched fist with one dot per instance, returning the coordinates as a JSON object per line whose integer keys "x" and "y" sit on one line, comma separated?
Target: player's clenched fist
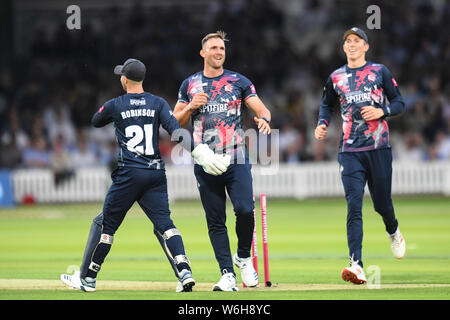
{"x": 321, "y": 132}
{"x": 370, "y": 113}
{"x": 200, "y": 99}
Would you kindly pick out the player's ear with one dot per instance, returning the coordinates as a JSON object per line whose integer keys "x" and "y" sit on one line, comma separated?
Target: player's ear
{"x": 202, "y": 53}
{"x": 123, "y": 81}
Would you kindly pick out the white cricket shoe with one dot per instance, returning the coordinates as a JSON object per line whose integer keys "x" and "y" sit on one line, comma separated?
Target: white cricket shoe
{"x": 226, "y": 283}
{"x": 75, "y": 282}
{"x": 354, "y": 273}
{"x": 185, "y": 281}
{"x": 248, "y": 273}
{"x": 398, "y": 244}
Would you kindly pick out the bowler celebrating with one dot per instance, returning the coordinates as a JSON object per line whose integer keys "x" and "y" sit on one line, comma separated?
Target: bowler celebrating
{"x": 212, "y": 99}
{"x": 360, "y": 88}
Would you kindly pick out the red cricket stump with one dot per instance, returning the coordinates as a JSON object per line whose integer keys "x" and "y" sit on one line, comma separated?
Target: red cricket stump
{"x": 255, "y": 249}
{"x": 254, "y": 246}
{"x": 267, "y": 282}
{"x": 254, "y": 242}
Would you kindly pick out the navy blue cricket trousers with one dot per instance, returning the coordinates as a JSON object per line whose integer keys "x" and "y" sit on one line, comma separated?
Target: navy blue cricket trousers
{"x": 374, "y": 168}
{"x": 147, "y": 187}
{"x": 237, "y": 182}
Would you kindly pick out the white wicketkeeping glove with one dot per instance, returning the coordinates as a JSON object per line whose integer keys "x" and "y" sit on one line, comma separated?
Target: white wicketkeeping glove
{"x": 214, "y": 164}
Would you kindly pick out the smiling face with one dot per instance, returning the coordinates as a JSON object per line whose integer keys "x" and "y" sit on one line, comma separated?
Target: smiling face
{"x": 355, "y": 48}
{"x": 213, "y": 52}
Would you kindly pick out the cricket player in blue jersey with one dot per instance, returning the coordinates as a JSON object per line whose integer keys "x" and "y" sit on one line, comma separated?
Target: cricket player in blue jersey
{"x": 360, "y": 89}
{"x": 212, "y": 99}
{"x": 140, "y": 176}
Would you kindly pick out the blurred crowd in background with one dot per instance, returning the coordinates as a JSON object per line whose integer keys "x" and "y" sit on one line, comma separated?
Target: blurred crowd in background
{"x": 49, "y": 92}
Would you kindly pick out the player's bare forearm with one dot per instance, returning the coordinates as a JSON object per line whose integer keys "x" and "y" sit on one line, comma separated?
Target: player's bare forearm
{"x": 262, "y": 114}
{"x": 182, "y": 113}
{"x": 183, "y": 110}
{"x": 258, "y": 108}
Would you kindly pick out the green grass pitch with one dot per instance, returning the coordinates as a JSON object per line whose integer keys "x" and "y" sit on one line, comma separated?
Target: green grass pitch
{"x": 307, "y": 249}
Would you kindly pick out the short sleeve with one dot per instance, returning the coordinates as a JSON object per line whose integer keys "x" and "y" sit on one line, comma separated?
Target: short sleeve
{"x": 183, "y": 92}
{"x": 248, "y": 89}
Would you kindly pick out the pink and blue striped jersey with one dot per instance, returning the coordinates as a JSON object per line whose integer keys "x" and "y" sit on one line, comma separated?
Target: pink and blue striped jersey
{"x": 353, "y": 88}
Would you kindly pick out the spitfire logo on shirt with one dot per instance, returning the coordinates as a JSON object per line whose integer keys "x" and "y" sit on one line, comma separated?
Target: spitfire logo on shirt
{"x": 214, "y": 108}
{"x": 358, "y": 97}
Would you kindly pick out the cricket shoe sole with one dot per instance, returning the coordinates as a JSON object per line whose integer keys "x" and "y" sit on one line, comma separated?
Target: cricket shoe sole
{"x": 185, "y": 286}
{"x": 188, "y": 285}
{"x": 185, "y": 282}
{"x": 349, "y": 275}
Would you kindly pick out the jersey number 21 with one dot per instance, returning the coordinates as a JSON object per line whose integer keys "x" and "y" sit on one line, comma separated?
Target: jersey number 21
{"x": 137, "y": 134}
